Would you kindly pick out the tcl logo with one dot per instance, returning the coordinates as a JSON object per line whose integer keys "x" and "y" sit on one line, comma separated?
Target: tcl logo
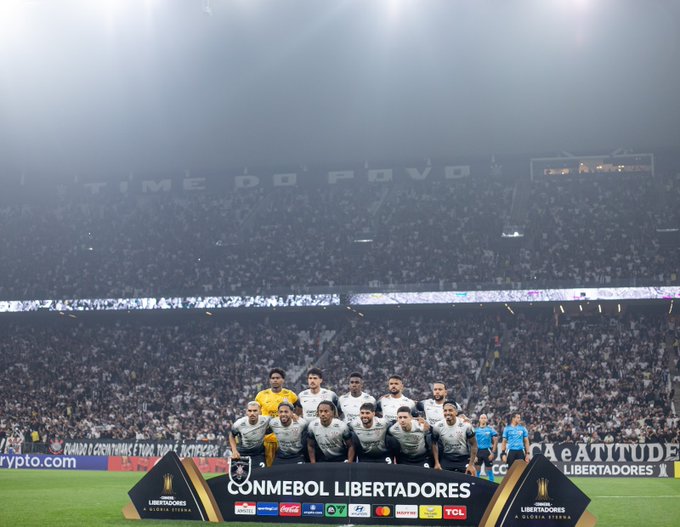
{"x": 455, "y": 512}
{"x": 290, "y": 509}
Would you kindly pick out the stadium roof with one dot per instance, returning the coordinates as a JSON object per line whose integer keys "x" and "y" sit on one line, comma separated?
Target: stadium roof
{"x": 154, "y": 85}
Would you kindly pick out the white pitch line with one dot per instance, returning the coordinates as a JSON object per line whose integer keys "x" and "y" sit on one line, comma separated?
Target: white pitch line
{"x": 662, "y": 496}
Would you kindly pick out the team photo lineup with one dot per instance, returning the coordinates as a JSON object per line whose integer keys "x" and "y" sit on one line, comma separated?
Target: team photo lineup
{"x": 399, "y": 242}
{"x": 281, "y": 427}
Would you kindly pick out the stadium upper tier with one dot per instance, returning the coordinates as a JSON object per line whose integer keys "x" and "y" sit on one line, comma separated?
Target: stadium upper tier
{"x": 581, "y": 231}
{"x": 584, "y": 379}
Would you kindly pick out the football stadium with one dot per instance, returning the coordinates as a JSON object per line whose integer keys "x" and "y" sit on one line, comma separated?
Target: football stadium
{"x": 340, "y": 262}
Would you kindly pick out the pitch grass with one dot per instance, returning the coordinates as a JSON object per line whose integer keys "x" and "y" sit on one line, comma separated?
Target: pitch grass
{"x": 74, "y": 498}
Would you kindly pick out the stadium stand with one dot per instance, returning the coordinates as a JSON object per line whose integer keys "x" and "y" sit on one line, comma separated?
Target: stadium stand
{"x": 578, "y": 231}
{"x": 584, "y": 379}
{"x": 594, "y": 378}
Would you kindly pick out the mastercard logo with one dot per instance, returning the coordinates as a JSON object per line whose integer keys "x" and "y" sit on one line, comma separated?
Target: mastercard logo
{"x": 382, "y": 511}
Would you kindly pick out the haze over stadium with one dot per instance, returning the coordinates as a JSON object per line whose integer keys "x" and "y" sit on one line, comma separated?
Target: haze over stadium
{"x": 193, "y": 192}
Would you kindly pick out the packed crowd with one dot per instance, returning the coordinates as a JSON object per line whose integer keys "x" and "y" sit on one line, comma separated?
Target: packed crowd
{"x": 451, "y": 349}
{"x": 446, "y": 234}
{"x": 142, "y": 382}
{"x": 586, "y": 381}
{"x": 604, "y": 379}
{"x": 597, "y": 231}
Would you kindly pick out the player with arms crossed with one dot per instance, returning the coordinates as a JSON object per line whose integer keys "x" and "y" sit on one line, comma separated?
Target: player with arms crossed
{"x": 246, "y": 437}
{"x": 389, "y": 404}
{"x": 349, "y": 403}
{"x": 310, "y": 398}
{"x": 487, "y": 441}
{"x": 291, "y": 434}
{"x": 331, "y": 435}
{"x": 515, "y": 443}
{"x": 457, "y": 441}
{"x": 413, "y": 438}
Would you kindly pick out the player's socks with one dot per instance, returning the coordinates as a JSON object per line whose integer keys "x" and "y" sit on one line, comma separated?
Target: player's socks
{"x": 491, "y": 478}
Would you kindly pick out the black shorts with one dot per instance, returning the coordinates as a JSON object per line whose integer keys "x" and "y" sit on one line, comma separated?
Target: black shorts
{"x": 386, "y": 458}
{"x": 323, "y": 458}
{"x": 295, "y": 460}
{"x": 454, "y": 465}
{"x": 514, "y": 455}
{"x": 483, "y": 457}
{"x": 420, "y": 461}
{"x": 256, "y": 460}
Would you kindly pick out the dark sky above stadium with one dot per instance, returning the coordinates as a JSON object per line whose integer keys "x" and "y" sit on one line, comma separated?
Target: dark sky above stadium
{"x": 119, "y": 85}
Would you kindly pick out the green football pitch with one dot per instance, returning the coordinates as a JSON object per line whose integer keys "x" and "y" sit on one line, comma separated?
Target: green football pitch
{"x": 63, "y": 498}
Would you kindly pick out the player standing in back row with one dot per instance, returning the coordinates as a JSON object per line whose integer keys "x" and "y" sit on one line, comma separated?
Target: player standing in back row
{"x": 310, "y": 398}
{"x": 434, "y": 408}
{"x": 269, "y": 401}
{"x": 349, "y": 403}
{"x": 389, "y": 404}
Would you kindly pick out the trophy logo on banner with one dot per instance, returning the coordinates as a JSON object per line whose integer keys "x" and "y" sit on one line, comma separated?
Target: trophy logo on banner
{"x": 167, "y": 485}
{"x": 542, "y": 484}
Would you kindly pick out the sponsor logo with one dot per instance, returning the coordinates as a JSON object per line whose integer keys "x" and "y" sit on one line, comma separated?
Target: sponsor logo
{"x": 245, "y": 508}
{"x": 406, "y": 511}
{"x": 359, "y": 510}
{"x": 336, "y": 510}
{"x": 312, "y": 509}
{"x": 267, "y": 508}
{"x": 430, "y": 512}
{"x": 455, "y": 512}
{"x": 239, "y": 470}
{"x": 290, "y": 509}
{"x": 383, "y": 511}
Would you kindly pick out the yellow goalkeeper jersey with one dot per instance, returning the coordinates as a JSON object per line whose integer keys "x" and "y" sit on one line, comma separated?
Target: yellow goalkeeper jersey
{"x": 269, "y": 401}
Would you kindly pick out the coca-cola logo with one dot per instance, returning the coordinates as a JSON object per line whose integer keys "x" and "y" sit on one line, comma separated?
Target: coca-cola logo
{"x": 290, "y": 509}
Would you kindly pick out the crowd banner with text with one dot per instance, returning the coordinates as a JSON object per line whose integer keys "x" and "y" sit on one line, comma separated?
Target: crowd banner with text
{"x": 342, "y": 493}
{"x": 597, "y": 469}
{"x": 555, "y": 452}
{"x": 110, "y": 447}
